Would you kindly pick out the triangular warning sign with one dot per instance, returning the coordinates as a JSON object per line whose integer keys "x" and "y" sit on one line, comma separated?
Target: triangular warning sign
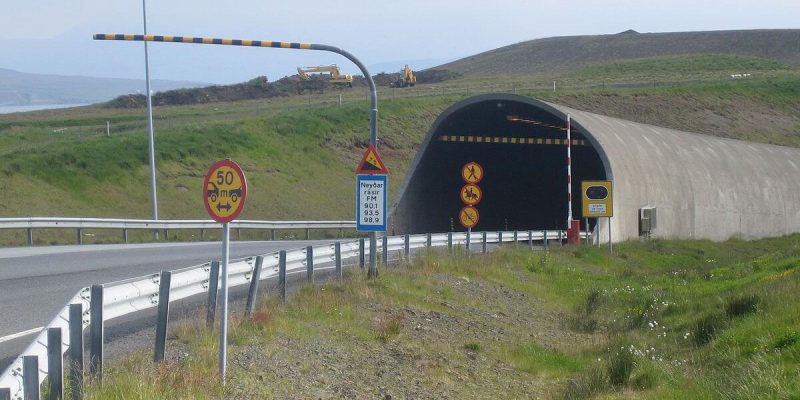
{"x": 371, "y": 163}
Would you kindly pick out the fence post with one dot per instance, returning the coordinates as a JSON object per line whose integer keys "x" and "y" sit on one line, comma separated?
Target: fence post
{"x": 164, "y": 284}
{"x": 5, "y": 394}
{"x": 30, "y": 377}
{"x": 337, "y": 256}
{"x": 544, "y": 236}
{"x": 55, "y": 365}
{"x": 252, "y": 294}
{"x": 96, "y": 332}
{"x": 310, "y": 264}
{"x": 385, "y": 249}
{"x": 361, "y": 253}
{"x": 213, "y": 286}
{"x": 75, "y": 350}
{"x": 483, "y": 245}
{"x": 407, "y": 242}
{"x": 30, "y": 238}
{"x": 282, "y": 274}
{"x": 428, "y": 241}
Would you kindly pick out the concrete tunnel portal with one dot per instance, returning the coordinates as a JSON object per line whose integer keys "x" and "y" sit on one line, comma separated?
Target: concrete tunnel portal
{"x": 521, "y": 145}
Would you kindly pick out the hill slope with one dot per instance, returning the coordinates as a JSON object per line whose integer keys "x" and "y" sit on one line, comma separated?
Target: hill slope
{"x": 562, "y": 54}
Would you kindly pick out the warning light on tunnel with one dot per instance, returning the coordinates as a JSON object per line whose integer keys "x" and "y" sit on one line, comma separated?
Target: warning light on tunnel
{"x": 596, "y": 192}
{"x": 597, "y": 199}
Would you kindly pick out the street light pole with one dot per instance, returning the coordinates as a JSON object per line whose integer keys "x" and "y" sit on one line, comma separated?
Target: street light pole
{"x": 151, "y": 138}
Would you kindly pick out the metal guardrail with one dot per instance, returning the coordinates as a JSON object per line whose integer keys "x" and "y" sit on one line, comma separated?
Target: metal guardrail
{"x": 136, "y": 294}
{"x": 32, "y": 223}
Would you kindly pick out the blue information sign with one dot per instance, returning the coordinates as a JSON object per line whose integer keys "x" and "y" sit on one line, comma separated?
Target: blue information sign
{"x": 371, "y": 199}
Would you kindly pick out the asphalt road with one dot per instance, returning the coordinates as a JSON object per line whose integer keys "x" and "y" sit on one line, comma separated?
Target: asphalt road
{"x": 35, "y": 282}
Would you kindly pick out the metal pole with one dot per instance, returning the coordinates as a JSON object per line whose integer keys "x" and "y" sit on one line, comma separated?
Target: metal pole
{"x": 252, "y": 294}
{"x": 569, "y": 173}
{"x": 96, "y": 333}
{"x": 223, "y": 331}
{"x": 55, "y": 365}
{"x": 469, "y": 236}
{"x": 150, "y": 137}
{"x": 610, "y": 246}
{"x": 164, "y": 283}
{"x": 75, "y": 350}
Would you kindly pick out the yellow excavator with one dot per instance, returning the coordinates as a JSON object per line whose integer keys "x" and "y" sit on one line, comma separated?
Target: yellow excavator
{"x": 331, "y": 72}
{"x": 407, "y": 78}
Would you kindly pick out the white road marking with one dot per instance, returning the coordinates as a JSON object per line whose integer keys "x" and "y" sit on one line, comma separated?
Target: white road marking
{"x": 21, "y": 334}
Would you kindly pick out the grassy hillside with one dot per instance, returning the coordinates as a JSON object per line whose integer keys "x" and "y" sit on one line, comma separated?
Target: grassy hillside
{"x": 300, "y": 152}
{"x": 658, "y": 320}
{"x": 558, "y": 55}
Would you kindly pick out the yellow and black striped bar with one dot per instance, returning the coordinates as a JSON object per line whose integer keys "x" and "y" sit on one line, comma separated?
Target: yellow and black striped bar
{"x": 509, "y": 140}
{"x": 205, "y": 40}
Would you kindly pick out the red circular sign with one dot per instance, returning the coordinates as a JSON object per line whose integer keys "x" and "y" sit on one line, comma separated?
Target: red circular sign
{"x": 224, "y": 191}
{"x": 469, "y": 217}
{"x": 472, "y": 172}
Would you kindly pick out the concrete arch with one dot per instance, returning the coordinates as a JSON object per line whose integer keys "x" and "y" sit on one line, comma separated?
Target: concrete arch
{"x": 702, "y": 186}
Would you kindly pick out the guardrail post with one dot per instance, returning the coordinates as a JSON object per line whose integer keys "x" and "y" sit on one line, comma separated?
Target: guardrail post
{"x": 282, "y": 274}
{"x": 239, "y": 234}
{"x": 516, "y": 237}
{"x": 341, "y": 233}
{"x": 361, "y": 255}
{"x": 385, "y": 249}
{"x": 125, "y": 236}
{"x": 407, "y": 244}
{"x": 310, "y": 264}
{"x": 166, "y": 234}
{"x": 96, "y": 332}
{"x": 5, "y": 394}
{"x": 55, "y": 366}
{"x": 483, "y": 245}
{"x": 544, "y": 236}
{"x": 75, "y": 350}
{"x": 530, "y": 240}
{"x": 202, "y": 234}
{"x": 79, "y": 238}
{"x": 499, "y": 238}
{"x": 450, "y": 241}
{"x": 274, "y": 234}
{"x": 560, "y": 238}
{"x": 252, "y": 294}
{"x": 308, "y": 234}
{"x": 428, "y": 241}
{"x": 213, "y": 286}
{"x": 30, "y": 377}
{"x": 337, "y": 257}
{"x": 164, "y": 284}
{"x": 30, "y": 237}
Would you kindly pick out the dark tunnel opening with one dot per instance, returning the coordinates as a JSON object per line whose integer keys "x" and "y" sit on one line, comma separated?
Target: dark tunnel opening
{"x": 522, "y": 149}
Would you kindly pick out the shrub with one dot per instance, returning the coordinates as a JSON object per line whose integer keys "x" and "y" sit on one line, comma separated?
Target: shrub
{"x": 708, "y": 327}
{"x": 584, "y": 320}
{"x": 388, "y": 326}
{"x": 620, "y": 367}
{"x": 742, "y": 305}
{"x": 591, "y": 382}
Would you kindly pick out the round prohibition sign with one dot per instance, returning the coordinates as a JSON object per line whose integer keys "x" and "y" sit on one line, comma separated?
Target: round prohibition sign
{"x": 224, "y": 191}
{"x": 469, "y": 217}
{"x": 472, "y": 172}
{"x": 471, "y": 194}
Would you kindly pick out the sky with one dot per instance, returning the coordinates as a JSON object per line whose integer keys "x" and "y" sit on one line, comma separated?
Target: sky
{"x": 55, "y": 37}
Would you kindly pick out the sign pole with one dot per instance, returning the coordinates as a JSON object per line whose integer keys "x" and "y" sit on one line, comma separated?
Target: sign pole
{"x": 610, "y": 246}
{"x": 223, "y": 328}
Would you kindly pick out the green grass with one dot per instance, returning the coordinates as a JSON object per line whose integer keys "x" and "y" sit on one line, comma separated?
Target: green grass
{"x": 666, "y": 287}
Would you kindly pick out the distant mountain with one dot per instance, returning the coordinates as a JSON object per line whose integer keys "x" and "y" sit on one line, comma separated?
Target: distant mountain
{"x": 20, "y": 89}
{"x": 568, "y": 53}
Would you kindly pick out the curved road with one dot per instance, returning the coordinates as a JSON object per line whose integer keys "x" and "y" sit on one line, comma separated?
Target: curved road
{"x": 35, "y": 282}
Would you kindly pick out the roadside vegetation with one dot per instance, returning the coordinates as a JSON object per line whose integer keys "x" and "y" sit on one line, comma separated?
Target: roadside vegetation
{"x": 657, "y": 320}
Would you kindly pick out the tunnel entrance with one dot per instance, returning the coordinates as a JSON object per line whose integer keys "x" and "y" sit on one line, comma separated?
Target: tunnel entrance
{"x": 521, "y": 145}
